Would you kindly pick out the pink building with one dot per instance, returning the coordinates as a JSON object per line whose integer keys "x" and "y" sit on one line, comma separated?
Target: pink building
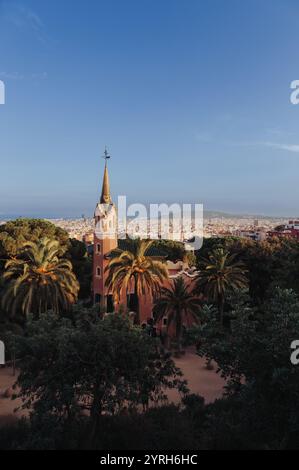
{"x": 105, "y": 241}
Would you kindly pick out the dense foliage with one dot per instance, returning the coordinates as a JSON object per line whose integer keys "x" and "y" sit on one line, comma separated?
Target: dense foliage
{"x": 15, "y": 234}
{"x": 89, "y": 367}
{"x": 110, "y": 366}
{"x": 269, "y": 263}
{"x": 261, "y": 406}
{"x": 89, "y": 380}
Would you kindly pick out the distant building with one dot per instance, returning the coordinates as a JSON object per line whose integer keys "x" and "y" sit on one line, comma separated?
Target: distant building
{"x": 293, "y": 225}
{"x": 289, "y": 230}
{"x": 256, "y": 235}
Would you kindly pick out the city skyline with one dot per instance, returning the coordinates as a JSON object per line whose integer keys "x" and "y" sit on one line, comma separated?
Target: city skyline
{"x": 78, "y": 79}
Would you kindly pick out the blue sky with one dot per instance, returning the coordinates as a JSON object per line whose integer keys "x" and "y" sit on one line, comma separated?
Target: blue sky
{"x": 192, "y": 99}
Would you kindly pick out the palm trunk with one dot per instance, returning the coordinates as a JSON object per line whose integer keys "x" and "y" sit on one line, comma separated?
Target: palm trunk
{"x": 137, "y": 319}
{"x": 220, "y": 308}
{"x": 127, "y": 300}
{"x": 137, "y": 310}
{"x": 179, "y": 330}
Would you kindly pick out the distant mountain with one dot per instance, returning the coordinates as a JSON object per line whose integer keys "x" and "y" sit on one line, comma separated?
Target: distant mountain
{"x": 227, "y": 215}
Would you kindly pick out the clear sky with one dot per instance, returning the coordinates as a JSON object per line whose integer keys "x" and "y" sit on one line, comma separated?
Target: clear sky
{"x": 192, "y": 98}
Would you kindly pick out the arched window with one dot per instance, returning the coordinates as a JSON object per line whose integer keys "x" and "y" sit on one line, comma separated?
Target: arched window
{"x": 99, "y": 271}
{"x": 98, "y": 248}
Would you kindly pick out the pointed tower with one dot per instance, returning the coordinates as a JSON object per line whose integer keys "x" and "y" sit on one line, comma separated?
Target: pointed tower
{"x": 105, "y": 240}
{"x": 106, "y": 196}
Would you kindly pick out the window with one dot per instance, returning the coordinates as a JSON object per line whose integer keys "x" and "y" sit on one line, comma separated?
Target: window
{"x": 165, "y": 321}
{"x": 99, "y": 271}
{"x": 98, "y": 248}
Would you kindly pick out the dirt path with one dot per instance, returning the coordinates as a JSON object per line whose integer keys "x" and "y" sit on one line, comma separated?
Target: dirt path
{"x": 7, "y": 405}
{"x": 205, "y": 382}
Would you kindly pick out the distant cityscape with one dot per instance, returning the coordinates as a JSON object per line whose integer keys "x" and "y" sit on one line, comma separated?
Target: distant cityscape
{"x": 257, "y": 229}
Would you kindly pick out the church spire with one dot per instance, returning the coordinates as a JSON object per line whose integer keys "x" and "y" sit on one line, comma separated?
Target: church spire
{"x": 106, "y": 196}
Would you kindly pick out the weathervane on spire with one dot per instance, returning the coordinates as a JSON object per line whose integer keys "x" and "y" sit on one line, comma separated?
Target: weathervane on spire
{"x": 106, "y": 155}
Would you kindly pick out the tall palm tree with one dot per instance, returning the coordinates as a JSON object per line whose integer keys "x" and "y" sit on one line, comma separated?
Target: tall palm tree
{"x": 220, "y": 274}
{"x": 177, "y": 303}
{"x": 133, "y": 268}
{"x": 38, "y": 280}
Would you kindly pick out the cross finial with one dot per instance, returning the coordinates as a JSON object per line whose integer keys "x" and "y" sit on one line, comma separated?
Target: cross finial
{"x": 106, "y": 155}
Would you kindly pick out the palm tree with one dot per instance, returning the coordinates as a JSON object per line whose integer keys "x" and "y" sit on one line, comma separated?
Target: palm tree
{"x": 220, "y": 274}
{"x": 178, "y": 303}
{"x": 133, "y": 268}
{"x": 39, "y": 280}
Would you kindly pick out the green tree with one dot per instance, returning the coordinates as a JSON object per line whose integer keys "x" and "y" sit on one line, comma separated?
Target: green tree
{"x": 262, "y": 392}
{"x": 38, "y": 279}
{"x": 133, "y": 268}
{"x": 99, "y": 366}
{"x": 178, "y": 303}
{"x": 219, "y": 274}
{"x": 262, "y": 259}
{"x": 15, "y": 233}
